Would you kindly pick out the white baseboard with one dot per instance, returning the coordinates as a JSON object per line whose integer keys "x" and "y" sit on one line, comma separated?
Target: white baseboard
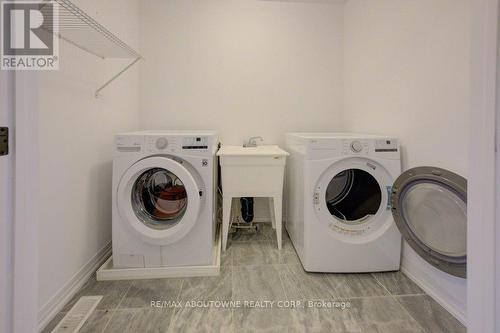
{"x": 437, "y": 295}
{"x": 50, "y": 309}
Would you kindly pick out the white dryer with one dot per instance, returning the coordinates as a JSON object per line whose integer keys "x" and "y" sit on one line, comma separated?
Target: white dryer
{"x": 164, "y": 185}
{"x": 338, "y": 201}
{"x": 347, "y": 202}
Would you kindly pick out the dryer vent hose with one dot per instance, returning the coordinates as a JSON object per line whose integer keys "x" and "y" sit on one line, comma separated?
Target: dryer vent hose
{"x": 247, "y": 209}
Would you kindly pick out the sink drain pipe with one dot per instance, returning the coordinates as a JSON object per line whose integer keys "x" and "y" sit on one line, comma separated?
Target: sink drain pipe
{"x": 247, "y": 209}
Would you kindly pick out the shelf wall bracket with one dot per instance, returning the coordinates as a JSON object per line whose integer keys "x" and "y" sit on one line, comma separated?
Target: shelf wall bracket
{"x": 79, "y": 29}
{"x": 98, "y": 91}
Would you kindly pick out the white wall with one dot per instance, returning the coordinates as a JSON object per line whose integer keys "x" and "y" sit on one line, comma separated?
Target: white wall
{"x": 76, "y": 138}
{"x": 241, "y": 67}
{"x": 407, "y": 67}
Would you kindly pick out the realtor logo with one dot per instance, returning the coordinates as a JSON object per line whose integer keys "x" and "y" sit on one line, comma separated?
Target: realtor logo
{"x": 29, "y": 35}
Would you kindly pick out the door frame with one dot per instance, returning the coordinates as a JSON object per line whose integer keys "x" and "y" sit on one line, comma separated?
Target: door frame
{"x": 482, "y": 233}
{"x": 7, "y": 106}
{"x": 26, "y": 212}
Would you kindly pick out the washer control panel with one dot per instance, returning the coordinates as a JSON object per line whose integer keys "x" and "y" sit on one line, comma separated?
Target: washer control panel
{"x": 195, "y": 142}
{"x": 129, "y": 144}
{"x": 161, "y": 143}
{"x": 164, "y": 144}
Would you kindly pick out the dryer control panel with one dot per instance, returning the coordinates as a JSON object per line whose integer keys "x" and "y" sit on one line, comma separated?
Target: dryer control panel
{"x": 386, "y": 146}
{"x": 365, "y": 146}
{"x": 355, "y": 147}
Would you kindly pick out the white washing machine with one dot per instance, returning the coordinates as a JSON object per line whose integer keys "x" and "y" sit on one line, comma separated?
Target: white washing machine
{"x": 348, "y": 204}
{"x": 164, "y": 185}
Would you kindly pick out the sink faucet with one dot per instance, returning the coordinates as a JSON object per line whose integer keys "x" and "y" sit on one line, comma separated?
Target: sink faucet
{"x": 252, "y": 142}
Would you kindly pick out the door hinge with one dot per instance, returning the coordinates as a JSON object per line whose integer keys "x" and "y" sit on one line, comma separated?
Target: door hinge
{"x": 4, "y": 141}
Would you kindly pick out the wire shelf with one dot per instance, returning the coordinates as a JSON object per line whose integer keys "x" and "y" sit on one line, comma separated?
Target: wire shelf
{"x": 81, "y": 30}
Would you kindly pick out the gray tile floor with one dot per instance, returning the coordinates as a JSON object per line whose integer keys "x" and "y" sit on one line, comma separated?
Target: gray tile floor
{"x": 254, "y": 269}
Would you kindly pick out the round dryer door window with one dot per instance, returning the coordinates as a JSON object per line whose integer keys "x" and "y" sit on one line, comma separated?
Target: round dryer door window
{"x": 430, "y": 209}
{"x": 159, "y": 198}
{"x": 353, "y": 196}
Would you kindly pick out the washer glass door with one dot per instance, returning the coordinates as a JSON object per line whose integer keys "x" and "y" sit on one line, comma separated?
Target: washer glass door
{"x": 159, "y": 199}
{"x": 430, "y": 209}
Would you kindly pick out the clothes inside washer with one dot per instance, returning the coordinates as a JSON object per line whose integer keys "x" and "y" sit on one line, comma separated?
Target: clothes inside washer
{"x": 159, "y": 198}
{"x": 353, "y": 195}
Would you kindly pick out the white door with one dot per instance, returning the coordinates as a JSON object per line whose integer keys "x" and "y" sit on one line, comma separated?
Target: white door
{"x": 429, "y": 206}
{"x": 6, "y": 202}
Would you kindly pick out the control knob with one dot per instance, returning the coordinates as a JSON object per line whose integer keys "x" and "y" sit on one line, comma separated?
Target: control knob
{"x": 161, "y": 143}
{"x": 356, "y": 146}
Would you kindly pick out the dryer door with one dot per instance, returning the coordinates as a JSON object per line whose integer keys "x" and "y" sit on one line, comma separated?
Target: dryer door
{"x": 159, "y": 199}
{"x": 429, "y": 206}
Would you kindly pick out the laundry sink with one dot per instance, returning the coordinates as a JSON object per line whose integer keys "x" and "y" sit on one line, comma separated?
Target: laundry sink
{"x": 252, "y": 171}
{"x": 236, "y": 152}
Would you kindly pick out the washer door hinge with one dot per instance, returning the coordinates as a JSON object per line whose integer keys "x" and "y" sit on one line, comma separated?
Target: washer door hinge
{"x": 4, "y": 141}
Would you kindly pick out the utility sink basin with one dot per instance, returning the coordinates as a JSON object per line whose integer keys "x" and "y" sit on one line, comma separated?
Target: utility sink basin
{"x": 252, "y": 171}
{"x": 259, "y": 151}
